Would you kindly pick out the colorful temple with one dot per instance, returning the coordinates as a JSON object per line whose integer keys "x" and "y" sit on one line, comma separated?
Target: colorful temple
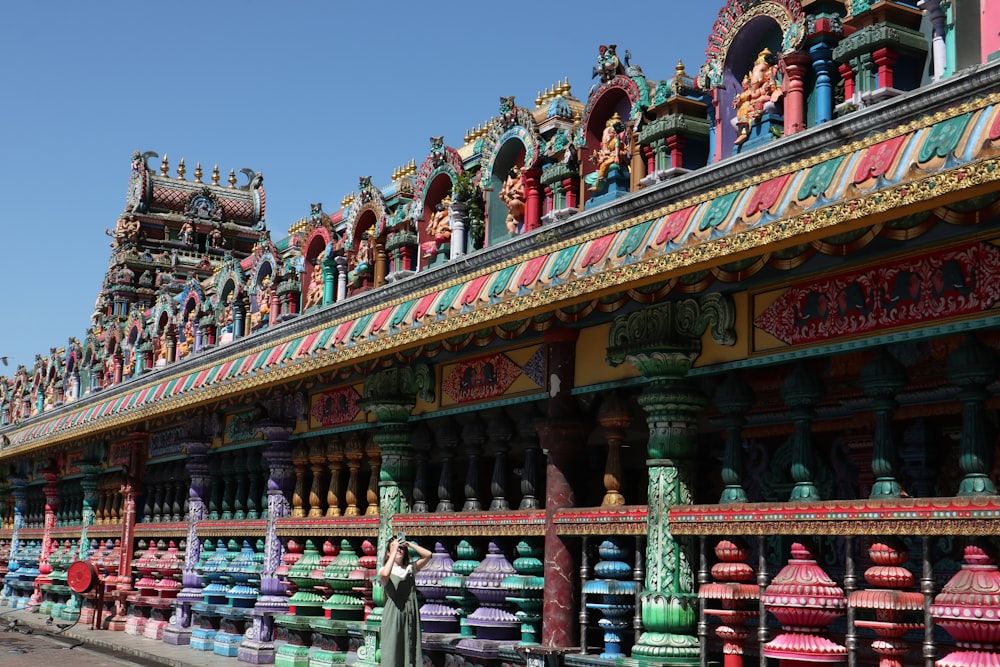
{"x": 701, "y": 366}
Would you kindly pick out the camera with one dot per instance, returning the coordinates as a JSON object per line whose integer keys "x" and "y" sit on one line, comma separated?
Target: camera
{"x": 400, "y": 536}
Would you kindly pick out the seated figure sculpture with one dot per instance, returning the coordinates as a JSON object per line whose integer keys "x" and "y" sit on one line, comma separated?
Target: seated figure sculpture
{"x": 438, "y": 230}
{"x": 512, "y": 194}
{"x": 612, "y": 152}
{"x": 761, "y": 91}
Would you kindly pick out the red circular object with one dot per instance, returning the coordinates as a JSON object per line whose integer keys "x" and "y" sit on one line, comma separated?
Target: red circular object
{"x": 82, "y": 577}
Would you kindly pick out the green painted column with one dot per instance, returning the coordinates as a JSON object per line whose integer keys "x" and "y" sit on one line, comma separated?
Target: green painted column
{"x": 391, "y": 395}
{"x": 972, "y": 368}
{"x": 663, "y": 342}
{"x": 90, "y": 466}
{"x": 882, "y": 379}
{"x": 801, "y": 392}
{"x": 733, "y": 398}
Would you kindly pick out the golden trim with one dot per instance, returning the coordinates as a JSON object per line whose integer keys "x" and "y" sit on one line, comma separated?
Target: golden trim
{"x": 802, "y": 227}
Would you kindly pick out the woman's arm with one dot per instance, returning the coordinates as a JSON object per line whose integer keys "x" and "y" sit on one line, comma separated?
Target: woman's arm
{"x": 423, "y": 556}
{"x": 390, "y": 560}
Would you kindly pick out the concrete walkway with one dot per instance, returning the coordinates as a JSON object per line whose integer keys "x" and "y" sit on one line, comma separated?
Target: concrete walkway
{"x": 118, "y": 644}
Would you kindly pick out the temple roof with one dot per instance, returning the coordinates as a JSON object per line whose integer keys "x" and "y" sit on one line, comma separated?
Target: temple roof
{"x": 943, "y": 156}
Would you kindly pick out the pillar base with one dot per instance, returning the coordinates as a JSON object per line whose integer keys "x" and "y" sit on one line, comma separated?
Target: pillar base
{"x": 177, "y": 636}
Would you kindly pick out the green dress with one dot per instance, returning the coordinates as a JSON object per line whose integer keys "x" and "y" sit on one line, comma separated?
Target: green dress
{"x": 401, "y": 621}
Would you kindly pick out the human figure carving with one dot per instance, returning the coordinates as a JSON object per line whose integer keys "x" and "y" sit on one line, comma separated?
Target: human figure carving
{"x": 512, "y": 194}
{"x": 612, "y": 151}
{"x": 438, "y": 229}
{"x": 760, "y": 93}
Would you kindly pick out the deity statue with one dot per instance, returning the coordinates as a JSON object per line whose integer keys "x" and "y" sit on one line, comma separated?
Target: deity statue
{"x": 612, "y": 151}
{"x": 761, "y": 91}
{"x": 512, "y": 195}
{"x": 187, "y": 232}
{"x": 608, "y": 65}
{"x": 126, "y": 230}
{"x": 438, "y": 229}
{"x": 215, "y": 239}
{"x": 187, "y": 341}
{"x": 261, "y": 315}
{"x": 314, "y": 295}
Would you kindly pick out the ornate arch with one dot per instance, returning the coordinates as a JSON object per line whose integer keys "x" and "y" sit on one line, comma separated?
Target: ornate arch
{"x": 514, "y": 122}
{"x": 441, "y": 160}
{"x": 620, "y": 82}
{"x": 369, "y": 198}
{"x": 788, "y": 14}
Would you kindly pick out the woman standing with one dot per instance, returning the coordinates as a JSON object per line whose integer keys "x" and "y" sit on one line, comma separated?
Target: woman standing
{"x": 401, "y": 617}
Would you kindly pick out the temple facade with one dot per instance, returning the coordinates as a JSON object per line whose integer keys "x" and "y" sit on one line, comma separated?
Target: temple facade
{"x": 699, "y": 366}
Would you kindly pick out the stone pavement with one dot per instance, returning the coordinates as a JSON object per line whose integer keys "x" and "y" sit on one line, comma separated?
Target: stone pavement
{"x": 141, "y": 650}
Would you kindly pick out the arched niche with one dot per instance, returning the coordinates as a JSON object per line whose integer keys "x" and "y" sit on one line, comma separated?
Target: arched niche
{"x": 759, "y": 33}
{"x": 509, "y": 156}
{"x": 616, "y": 96}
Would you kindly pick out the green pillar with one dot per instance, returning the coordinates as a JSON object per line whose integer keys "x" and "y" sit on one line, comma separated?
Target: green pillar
{"x": 801, "y": 392}
{"x": 972, "y": 368}
{"x": 882, "y": 378}
{"x": 663, "y": 342}
{"x": 391, "y": 395}
{"x": 734, "y": 398}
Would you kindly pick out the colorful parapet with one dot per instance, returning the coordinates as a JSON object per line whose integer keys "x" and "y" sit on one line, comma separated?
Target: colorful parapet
{"x": 658, "y": 376}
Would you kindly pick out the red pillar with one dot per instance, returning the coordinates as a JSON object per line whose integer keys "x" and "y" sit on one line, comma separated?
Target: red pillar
{"x": 559, "y": 434}
{"x": 847, "y": 74}
{"x": 532, "y": 199}
{"x": 675, "y": 143}
{"x": 51, "y": 505}
{"x": 795, "y": 68}
{"x": 885, "y": 58}
{"x": 571, "y": 188}
{"x": 131, "y": 488}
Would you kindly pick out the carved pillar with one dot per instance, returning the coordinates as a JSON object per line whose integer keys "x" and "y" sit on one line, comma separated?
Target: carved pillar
{"x": 885, "y": 58}
{"x": 801, "y": 391}
{"x": 374, "y": 453}
{"x": 662, "y": 342}
{"x": 300, "y": 459}
{"x": 500, "y": 431}
{"x": 258, "y": 643}
{"x": 615, "y": 418}
{"x": 19, "y": 491}
{"x": 329, "y": 269}
{"x": 973, "y": 367}
{"x": 391, "y": 395}
{"x": 341, "y": 277}
{"x": 335, "y": 461}
{"x": 795, "y": 70}
{"x": 528, "y": 436}
{"x": 473, "y": 437}
{"x": 241, "y": 471}
{"x": 178, "y": 632}
{"x": 254, "y": 492}
{"x": 354, "y": 452}
{"x": 561, "y": 433}
{"x": 821, "y": 54}
{"x": 51, "y": 490}
{"x": 457, "y": 215}
{"x": 317, "y": 464}
{"x": 882, "y": 378}
{"x": 421, "y": 438}
{"x": 532, "y": 198}
{"x": 733, "y": 398}
{"x": 448, "y": 436}
{"x": 229, "y": 495}
{"x": 939, "y": 28}
{"x": 130, "y": 489}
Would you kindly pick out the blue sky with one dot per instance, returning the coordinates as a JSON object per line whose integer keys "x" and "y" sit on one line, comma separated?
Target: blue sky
{"x": 312, "y": 94}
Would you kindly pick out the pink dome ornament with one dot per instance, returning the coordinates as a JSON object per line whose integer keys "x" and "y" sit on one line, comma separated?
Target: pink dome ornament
{"x": 968, "y": 609}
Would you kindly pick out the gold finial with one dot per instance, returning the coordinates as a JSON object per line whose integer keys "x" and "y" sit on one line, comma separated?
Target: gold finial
{"x": 566, "y": 88}
{"x": 680, "y": 68}
{"x": 347, "y": 200}
{"x": 181, "y": 169}
{"x": 538, "y": 99}
{"x": 165, "y": 165}
{"x": 215, "y": 175}
{"x": 232, "y": 178}
{"x": 197, "y": 172}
